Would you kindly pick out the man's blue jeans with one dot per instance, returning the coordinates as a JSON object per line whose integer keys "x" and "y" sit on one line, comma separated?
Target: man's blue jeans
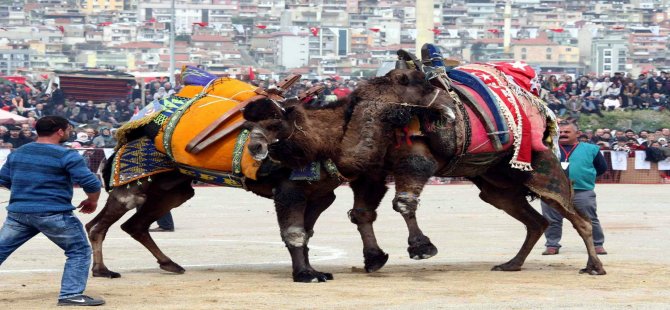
{"x": 65, "y": 230}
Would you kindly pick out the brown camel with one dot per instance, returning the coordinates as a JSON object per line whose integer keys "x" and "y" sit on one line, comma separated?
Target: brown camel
{"x": 298, "y": 205}
{"x": 359, "y": 136}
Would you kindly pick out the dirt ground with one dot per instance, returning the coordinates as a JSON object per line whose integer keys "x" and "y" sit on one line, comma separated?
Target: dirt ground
{"x": 228, "y": 241}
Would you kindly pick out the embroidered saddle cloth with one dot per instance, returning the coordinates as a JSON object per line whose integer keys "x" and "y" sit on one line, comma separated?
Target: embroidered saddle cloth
{"x": 195, "y": 115}
{"x": 520, "y": 118}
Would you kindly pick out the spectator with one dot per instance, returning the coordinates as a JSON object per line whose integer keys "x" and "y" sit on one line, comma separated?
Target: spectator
{"x": 658, "y": 103}
{"x": 611, "y": 103}
{"x": 630, "y": 91}
{"x": 582, "y": 162}
{"x": 57, "y": 95}
{"x": 15, "y": 138}
{"x": 643, "y": 101}
{"x": 556, "y": 105}
{"x": 88, "y": 112}
{"x": 160, "y": 94}
{"x": 105, "y": 139}
{"x": 621, "y": 145}
{"x": 341, "y": 91}
{"x": 111, "y": 115}
{"x": 642, "y": 137}
{"x": 83, "y": 140}
{"x": 90, "y": 132}
{"x": 4, "y": 133}
{"x": 574, "y": 105}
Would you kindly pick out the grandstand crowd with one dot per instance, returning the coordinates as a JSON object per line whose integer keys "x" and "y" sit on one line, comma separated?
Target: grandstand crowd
{"x": 96, "y": 122}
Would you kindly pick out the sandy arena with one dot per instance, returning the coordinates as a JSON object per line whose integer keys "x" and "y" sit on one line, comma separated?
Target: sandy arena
{"x": 228, "y": 241}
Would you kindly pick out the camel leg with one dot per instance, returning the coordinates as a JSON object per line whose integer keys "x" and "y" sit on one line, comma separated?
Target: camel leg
{"x": 368, "y": 193}
{"x": 316, "y": 206}
{"x": 512, "y": 200}
{"x": 119, "y": 202}
{"x": 158, "y": 204}
{"x": 558, "y": 194}
{"x": 290, "y": 205}
{"x": 411, "y": 173}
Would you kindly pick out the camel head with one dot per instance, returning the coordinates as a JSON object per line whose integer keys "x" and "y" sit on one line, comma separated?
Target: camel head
{"x": 405, "y": 86}
{"x": 274, "y": 127}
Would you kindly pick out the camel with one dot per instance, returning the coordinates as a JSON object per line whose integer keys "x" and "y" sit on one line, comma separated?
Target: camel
{"x": 298, "y": 205}
{"x": 360, "y": 135}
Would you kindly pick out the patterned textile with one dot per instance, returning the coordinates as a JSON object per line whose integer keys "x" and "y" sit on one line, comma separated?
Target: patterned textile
{"x": 192, "y": 117}
{"x": 138, "y": 159}
{"x": 513, "y": 103}
{"x": 478, "y": 85}
{"x": 212, "y": 177}
{"x": 312, "y": 172}
{"x": 191, "y": 75}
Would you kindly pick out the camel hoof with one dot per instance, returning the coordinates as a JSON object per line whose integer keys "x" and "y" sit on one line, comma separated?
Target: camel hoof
{"x": 375, "y": 260}
{"x": 593, "y": 271}
{"x": 106, "y": 274}
{"x": 506, "y": 267}
{"x": 312, "y": 276}
{"x": 172, "y": 267}
{"x": 422, "y": 250}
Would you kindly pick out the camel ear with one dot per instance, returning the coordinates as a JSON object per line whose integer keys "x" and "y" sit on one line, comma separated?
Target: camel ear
{"x": 261, "y": 109}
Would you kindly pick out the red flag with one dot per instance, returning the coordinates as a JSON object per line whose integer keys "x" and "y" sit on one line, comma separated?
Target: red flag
{"x": 559, "y": 30}
{"x": 104, "y": 24}
{"x": 314, "y": 31}
{"x": 618, "y": 27}
{"x": 259, "y": 26}
{"x": 201, "y": 24}
{"x": 252, "y": 76}
{"x": 436, "y": 31}
{"x": 374, "y": 29}
{"x": 62, "y": 30}
{"x": 493, "y": 30}
{"x": 151, "y": 20}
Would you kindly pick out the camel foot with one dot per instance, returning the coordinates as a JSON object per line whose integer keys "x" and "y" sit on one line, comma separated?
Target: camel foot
{"x": 507, "y": 267}
{"x": 422, "y": 249}
{"x": 593, "y": 271}
{"x": 375, "y": 260}
{"x": 172, "y": 267}
{"x": 105, "y": 273}
{"x": 312, "y": 276}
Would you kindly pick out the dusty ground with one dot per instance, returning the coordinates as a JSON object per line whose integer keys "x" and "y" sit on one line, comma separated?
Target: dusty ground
{"x": 235, "y": 259}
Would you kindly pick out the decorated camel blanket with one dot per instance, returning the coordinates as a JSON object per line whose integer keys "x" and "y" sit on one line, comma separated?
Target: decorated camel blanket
{"x": 508, "y": 100}
{"x": 180, "y": 118}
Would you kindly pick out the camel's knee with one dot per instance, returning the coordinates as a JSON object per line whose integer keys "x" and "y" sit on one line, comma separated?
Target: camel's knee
{"x": 295, "y": 236}
{"x": 405, "y": 203}
{"x": 127, "y": 200}
{"x": 359, "y": 216}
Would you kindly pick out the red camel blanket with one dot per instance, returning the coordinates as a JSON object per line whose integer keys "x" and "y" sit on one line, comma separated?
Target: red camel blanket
{"x": 511, "y": 83}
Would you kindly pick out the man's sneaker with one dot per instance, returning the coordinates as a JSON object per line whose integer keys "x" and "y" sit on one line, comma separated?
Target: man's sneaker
{"x": 80, "y": 300}
{"x": 600, "y": 250}
{"x": 550, "y": 251}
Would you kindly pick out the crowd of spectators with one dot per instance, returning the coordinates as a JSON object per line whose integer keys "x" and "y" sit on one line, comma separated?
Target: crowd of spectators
{"x": 593, "y": 95}
{"x": 95, "y": 123}
{"x": 627, "y": 140}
